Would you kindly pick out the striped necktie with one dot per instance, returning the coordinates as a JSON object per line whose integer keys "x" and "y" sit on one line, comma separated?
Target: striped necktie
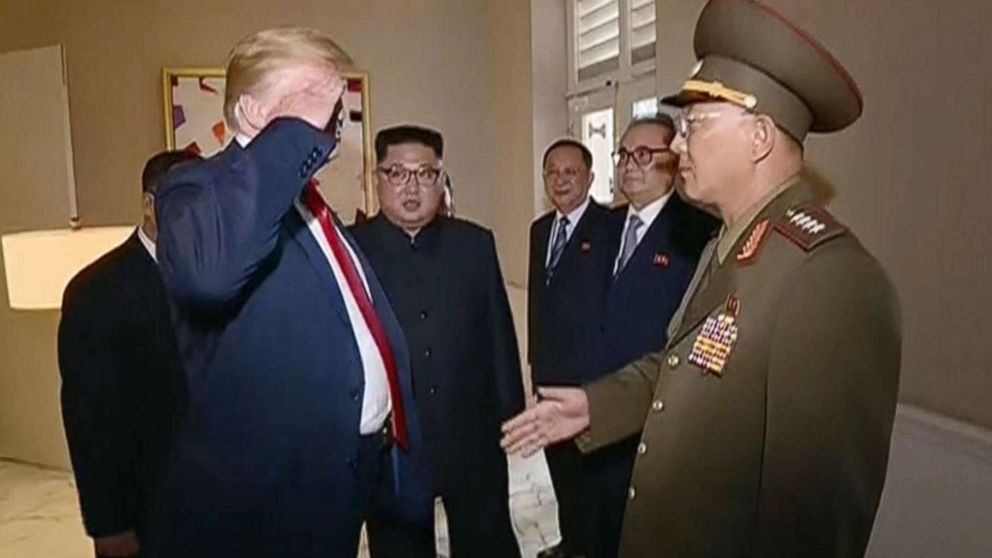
{"x": 629, "y": 242}
{"x": 558, "y": 246}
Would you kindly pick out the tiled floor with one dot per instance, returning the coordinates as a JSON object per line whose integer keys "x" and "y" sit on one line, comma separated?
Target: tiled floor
{"x": 39, "y": 513}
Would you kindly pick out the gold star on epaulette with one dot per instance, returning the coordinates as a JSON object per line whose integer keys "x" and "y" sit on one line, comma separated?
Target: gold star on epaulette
{"x": 809, "y": 226}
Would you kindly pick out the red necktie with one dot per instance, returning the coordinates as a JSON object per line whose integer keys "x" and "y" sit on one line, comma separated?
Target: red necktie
{"x": 315, "y": 203}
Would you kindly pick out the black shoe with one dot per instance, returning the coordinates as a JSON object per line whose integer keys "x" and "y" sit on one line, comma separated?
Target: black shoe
{"x": 556, "y": 552}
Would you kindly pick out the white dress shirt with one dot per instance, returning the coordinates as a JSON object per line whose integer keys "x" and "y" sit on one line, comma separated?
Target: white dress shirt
{"x": 148, "y": 243}
{"x": 648, "y": 214}
{"x": 375, "y": 399}
{"x": 573, "y": 219}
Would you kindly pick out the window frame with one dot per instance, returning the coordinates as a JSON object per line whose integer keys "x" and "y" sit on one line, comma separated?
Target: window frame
{"x": 626, "y": 71}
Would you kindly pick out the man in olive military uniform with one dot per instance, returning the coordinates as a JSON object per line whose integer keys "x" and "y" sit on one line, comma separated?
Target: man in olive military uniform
{"x": 767, "y": 418}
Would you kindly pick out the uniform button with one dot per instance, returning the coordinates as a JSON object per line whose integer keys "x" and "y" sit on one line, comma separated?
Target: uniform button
{"x": 427, "y": 352}
{"x": 423, "y": 314}
{"x": 658, "y": 405}
{"x": 642, "y": 448}
{"x": 673, "y": 360}
{"x": 432, "y": 390}
{"x": 631, "y": 493}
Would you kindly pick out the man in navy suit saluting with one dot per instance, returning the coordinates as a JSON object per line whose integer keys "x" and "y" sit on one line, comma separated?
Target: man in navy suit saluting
{"x": 301, "y": 419}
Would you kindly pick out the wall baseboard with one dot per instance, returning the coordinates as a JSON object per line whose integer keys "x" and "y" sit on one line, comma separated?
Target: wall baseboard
{"x": 946, "y": 432}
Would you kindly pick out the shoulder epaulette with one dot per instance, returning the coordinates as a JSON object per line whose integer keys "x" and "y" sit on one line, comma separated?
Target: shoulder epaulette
{"x": 809, "y": 226}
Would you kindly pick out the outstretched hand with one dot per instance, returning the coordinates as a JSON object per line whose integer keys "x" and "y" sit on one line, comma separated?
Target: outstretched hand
{"x": 560, "y": 414}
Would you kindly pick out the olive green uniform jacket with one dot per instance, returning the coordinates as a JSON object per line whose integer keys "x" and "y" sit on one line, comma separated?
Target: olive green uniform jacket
{"x": 772, "y": 439}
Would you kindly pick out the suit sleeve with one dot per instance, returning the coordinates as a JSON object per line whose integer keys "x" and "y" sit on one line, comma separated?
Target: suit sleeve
{"x": 101, "y": 447}
{"x": 506, "y": 353}
{"x": 831, "y": 395}
{"x": 217, "y": 230}
{"x": 619, "y": 402}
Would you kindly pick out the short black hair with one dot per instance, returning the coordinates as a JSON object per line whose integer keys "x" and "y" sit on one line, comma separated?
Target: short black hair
{"x": 569, "y": 142}
{"x": 407, "y": 133}
{"x": 661, "y": 119}
{"x": 160, "y": 163}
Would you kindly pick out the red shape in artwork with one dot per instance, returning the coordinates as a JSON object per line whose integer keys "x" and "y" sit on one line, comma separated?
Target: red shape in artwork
{"x": 355, "y": 85}
{"x": 194, "y": 148}
{"x": 219, "y": 131}
{"x": 205, "y": 87}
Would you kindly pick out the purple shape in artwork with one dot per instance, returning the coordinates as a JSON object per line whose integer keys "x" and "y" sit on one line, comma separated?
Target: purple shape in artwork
{"x": 178, "y": 116}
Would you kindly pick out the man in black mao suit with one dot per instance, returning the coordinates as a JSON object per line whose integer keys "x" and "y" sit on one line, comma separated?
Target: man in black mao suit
{"x": 572, "y": 250}
{"x": 443, "y": 279}
{"x": 122, "y": 380}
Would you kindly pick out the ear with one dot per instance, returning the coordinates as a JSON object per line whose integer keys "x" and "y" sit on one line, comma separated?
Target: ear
{"x": 592, "y": 178}
{"x": 381, "y": 186}
{"x": 252, "y": 114}
{"x": 148, "y": 206}
{"x": 763, "y": 137}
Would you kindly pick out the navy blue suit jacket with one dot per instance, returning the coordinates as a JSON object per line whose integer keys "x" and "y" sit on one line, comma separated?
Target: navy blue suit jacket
{"x": 563, "y": 314}
{"x": 643, "y": 297}
{"x": 266, "y": 460}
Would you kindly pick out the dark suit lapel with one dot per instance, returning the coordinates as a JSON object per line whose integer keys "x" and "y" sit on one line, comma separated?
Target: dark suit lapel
{"x": 301, "y": 234}
{"x": 655, "y": 240}
{"x": 543, "y": 238}
{"x": 581, "y": 234}
{"x": 378, "y": 295}
{"x": 394, "y": 332}
{"x": 380, "y": 301}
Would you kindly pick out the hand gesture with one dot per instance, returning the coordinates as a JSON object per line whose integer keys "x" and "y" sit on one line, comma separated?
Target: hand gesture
{"x": 560, "y": 414}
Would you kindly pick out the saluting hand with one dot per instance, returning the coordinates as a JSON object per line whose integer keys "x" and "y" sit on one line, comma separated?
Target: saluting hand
{"x": 560, "y": 414}
{"x": 314, "y": 99}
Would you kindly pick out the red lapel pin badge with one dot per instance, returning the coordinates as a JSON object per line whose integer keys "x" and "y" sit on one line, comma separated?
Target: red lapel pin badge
{"x": 733, "y": 306}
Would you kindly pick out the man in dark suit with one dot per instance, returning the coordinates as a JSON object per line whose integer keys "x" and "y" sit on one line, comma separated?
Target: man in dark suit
{"x": 122, "y": 380}
{"x": 659, "y": 249}
{"x": 443, "y": 279}
{"x": 302, "y": 419}
{"x": 572, "y": 249}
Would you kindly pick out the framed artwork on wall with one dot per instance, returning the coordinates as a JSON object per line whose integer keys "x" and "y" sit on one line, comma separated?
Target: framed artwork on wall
{"x": 194, "y": 120}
